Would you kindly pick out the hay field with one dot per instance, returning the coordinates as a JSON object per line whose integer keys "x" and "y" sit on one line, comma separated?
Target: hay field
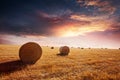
{"x": 81, "y": 64}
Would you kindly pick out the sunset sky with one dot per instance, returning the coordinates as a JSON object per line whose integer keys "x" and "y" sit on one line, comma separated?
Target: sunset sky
{"x": 75, "y": 23}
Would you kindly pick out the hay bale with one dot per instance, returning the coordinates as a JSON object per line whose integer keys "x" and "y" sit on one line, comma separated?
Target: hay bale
{"x": 82, "y": 48}
{"x": 52, "y": 47}
{"x": 64, "y": 50}
{"x": 89, "y": 48}
{"x": 30, "y": 52}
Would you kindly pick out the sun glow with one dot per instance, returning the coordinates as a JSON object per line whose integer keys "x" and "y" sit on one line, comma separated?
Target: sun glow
{"x": 76, "y": 31}
{"x": 69, "y": 30}
{"x": 70, "y": 34}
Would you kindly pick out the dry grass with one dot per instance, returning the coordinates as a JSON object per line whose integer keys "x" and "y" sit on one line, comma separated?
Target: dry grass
{"x": 80, "y": 64}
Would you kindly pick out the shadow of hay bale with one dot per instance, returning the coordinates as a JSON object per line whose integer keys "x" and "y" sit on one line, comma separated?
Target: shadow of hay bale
{"x": 59, "y": 54}
{"x": 11, "y": 66}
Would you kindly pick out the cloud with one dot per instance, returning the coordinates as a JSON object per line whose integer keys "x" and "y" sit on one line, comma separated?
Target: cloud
{"x": 88, "y": 18}
{"x": 76, "y": 30}
{"x": 3, "y": 40}
{"x": 38, "y": 23}
{"x": 108, "y": 36}
{"x": 103, "y": 6}
{"x": 87, "y": 24}
{"x": 44, "y": 24}
{"x": 47, "y": 23}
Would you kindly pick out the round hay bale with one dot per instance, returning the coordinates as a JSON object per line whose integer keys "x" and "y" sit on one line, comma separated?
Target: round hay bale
{"x": 89, "y": 48}
{"x": 64, "y": 50}
{"x": 52, "y": 47}
{"x": 30, "y": 52}
{"x": 82, "y": 48}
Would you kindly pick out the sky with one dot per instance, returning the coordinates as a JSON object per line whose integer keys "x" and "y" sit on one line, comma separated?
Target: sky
{"x": 75, "y": 23}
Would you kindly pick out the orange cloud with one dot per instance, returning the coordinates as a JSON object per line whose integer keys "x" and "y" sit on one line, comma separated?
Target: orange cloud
{"x": 76, "y": 30}
{"x": 88, "y": 18}
{"x": 97, "y": 23}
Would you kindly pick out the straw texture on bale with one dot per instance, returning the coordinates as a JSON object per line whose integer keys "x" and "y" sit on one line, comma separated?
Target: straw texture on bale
{"x": 64, "y": 50}
{"x": 30, "y": 52}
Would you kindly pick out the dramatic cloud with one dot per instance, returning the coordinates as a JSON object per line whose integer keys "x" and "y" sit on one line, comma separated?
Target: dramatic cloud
{"x": 96, "y": 23}
{"x": 88, "y": 18}
{"x": 104, "y": 6}
{"x": 64, "y": 22}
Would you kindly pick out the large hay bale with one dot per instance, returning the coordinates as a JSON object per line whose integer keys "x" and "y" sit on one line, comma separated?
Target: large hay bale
{"x": 30, "y": 52}
{"x": 64, "y": 50}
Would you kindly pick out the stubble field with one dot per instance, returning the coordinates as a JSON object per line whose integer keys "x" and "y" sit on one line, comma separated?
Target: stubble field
{"x": 80, "y": 64}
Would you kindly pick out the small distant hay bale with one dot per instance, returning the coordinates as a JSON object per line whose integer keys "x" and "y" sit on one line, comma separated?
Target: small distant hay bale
{"x": 82, "y": 48}
{"x": 64, "y": 50}
{"x": 52, "y": 47}
{"x": 119, "y": 48}
{"x": 89, "y": 48}
{"x": 30, "y": 52}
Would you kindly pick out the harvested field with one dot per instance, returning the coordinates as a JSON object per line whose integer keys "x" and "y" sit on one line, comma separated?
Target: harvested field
{"x": 80, "y": 64}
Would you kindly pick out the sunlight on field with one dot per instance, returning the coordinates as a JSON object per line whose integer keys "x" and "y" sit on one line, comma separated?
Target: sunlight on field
{"x": 80, "y": 64}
